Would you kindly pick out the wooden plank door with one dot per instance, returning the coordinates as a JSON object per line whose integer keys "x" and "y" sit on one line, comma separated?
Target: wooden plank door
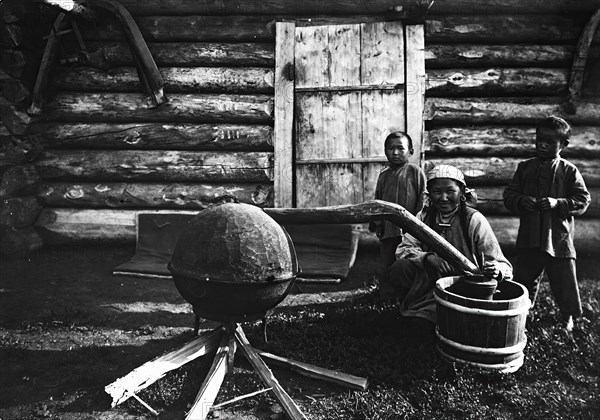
{"x": 349, "y": 92}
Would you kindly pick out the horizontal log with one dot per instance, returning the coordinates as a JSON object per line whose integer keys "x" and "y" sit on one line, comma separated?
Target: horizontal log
{"x": 506, "y": 110}
{"x": 505, "y": 29}
{"x": 16, "y": 151}
{"x": 514, "y": 7}
{"x": 196, "y": 28}
{"x": 505, "y": 141}
{"x": 177, "y": 79}
{"x": 18, "y": 243}
{"x": 510, "y": 28}
{"x": 155, "y": 136}
{"x": 156, "y": 165}
{"x": 586, "y": 238}
{"x": 19, "y": 212}
{"x": 131, "y": 107}
{"x": 190, "y": 54}
{"x": 464, "y": 82}
{"x": 497, "y": 81}
{"x": 472, "y": 55}
{"x": 149, "y": 195}
{"x": 250, "y": 54}
{"x": 499, "y": 171}
{"x": 18, "y": 180}
{"x": 68, "y": 225}
{"x": 266, "y": 7}
{"x": 489, "y": 202}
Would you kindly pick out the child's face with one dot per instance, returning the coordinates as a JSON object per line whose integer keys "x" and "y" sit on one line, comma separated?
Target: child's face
{"x": 548, "y": 143}
{"x": 445, "y": 194}
{"x": 397, "y": 150}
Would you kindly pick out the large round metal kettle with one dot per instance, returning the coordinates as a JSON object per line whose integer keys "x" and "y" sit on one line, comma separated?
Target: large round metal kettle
{"x": 233, "y": 262}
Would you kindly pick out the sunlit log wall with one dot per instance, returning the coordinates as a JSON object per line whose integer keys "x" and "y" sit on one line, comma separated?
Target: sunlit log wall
{"x": 493, "y": 70}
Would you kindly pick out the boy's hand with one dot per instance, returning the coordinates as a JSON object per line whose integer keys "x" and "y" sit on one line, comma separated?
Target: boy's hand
{"x": 547, "y": 203}
{"x": 438, "y": 264}
{"x": 529, "y": 203}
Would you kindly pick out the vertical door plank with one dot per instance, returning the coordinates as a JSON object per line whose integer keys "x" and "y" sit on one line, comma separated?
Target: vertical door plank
{"x": 329, "y": 184}
{"x": 382, "y": 112}
{"x": 309, "y": 126}
{"x": 328, "y": 125}
{"x": 310, "y": 188}
{"x": 415, "y": 87}
{"x": 344, "y": 184}
{"x": 312, "y": 57}
{"x": 382, "y": 53}
{"x": 344, "y": 55}
{"x": 283, "y": 140}
{"x": 342, "y": 124}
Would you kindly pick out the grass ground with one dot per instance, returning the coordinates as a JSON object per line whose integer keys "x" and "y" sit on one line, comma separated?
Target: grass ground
{"x": 68, "y": 328}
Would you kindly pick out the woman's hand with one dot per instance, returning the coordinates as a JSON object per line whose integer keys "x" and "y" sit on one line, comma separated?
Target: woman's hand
{"x": 438, "y": 264}
{"x": 491, "y": 270}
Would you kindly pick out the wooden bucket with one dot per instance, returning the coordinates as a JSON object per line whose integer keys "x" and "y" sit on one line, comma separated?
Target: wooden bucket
{"x": 489, "y": 334}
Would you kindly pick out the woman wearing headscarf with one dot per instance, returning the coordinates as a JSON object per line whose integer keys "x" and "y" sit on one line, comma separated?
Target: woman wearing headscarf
{"x": 449, "y": 213}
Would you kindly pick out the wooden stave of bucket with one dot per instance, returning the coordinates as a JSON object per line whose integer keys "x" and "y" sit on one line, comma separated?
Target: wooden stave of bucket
{"x": 483, "y": 333}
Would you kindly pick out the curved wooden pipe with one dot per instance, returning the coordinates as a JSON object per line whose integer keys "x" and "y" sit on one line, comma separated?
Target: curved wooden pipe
{"x": 372, "y": 211}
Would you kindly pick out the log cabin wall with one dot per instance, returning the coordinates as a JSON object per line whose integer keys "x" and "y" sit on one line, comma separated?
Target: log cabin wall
{"x": 490, "y": 77}
{"x": 19, "y": 207}
{"x": 493, "y": 70}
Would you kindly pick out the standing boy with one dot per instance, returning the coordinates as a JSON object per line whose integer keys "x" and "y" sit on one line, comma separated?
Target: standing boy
{"x": 402, "y": 183}
{"x": 546, "y": 192}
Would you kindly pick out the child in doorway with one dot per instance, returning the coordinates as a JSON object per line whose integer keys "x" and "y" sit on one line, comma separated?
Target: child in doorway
{"x": 546, "y": 192}
{"x": 403, "y": 183}
{"x": 417, "y": 267}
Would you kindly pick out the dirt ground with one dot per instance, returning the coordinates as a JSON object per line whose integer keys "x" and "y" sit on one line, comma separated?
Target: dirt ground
{"x": 68, "y": 327}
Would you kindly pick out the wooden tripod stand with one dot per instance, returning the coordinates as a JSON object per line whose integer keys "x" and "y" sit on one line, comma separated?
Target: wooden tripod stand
{"x": 225, "y": 340}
